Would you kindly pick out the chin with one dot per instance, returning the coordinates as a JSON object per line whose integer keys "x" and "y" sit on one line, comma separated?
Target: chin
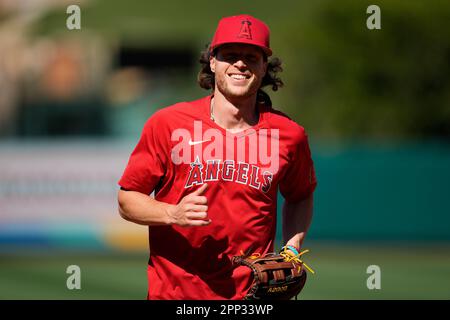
{"x": 240, "y": 92}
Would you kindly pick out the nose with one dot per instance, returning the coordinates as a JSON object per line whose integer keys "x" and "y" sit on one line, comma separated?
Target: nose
{"x": 240, "y": 63}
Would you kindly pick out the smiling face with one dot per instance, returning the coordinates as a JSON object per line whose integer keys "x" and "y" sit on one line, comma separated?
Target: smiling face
{"x": 239, "y": 70}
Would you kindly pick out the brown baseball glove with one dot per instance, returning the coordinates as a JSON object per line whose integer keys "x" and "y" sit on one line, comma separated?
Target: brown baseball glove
{"x": 276, "y": 276}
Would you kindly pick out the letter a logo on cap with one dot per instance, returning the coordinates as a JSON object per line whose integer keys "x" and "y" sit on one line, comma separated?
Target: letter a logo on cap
{"x": 245, "y": 31}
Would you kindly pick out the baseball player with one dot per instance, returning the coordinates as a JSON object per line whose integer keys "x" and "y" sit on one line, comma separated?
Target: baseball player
{"x": 215, "y": 166}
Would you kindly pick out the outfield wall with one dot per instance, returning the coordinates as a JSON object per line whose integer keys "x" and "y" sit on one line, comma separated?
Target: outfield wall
{"x": 390, "y": 192}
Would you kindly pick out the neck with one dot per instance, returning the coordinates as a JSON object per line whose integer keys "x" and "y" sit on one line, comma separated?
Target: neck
{"x": 234, "y": 114}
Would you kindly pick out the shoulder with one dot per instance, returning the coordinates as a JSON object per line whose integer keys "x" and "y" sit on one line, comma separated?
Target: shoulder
{"x": 288, "y": 127}
{"x": 177, "y": 113}
{"x": 165, "y": 113}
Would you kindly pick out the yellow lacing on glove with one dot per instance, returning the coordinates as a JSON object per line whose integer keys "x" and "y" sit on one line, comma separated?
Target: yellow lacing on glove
{"x": 253, "y": 255}
{"x": 289, "y": 256}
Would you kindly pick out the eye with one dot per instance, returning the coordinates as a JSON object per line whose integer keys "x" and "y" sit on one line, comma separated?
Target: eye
{"x": 230, "y": 56}
{"x": 251, "y": 57}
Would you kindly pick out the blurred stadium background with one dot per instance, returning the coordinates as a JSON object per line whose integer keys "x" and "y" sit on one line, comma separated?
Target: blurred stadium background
{"x": 376, "y": 105}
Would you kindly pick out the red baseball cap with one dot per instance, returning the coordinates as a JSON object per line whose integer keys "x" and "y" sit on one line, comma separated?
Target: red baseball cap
{"x": 242, "y": 29}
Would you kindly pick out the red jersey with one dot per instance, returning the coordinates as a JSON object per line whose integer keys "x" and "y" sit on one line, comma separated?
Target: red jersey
{"x": 180, "y": 149}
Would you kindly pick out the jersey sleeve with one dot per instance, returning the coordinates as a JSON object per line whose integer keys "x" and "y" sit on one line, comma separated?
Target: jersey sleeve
{"x": 299, "y": 180}
{"x": 148, "y": 161}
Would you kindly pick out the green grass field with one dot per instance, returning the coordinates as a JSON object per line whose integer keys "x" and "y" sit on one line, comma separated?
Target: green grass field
{"x": 407, "y": 272}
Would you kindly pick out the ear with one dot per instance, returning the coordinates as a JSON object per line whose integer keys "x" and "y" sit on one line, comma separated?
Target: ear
{"x": 212, "y": 63}
{"x": 266, "y": 64}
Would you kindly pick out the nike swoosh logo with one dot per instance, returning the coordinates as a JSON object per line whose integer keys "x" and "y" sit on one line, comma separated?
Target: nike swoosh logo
{"x": 191, "y": 143}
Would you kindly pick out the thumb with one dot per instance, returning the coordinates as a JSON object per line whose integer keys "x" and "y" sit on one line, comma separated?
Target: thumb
{"x": 200, "y": 190}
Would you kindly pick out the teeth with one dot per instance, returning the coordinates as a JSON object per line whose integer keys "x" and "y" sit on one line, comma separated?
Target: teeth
{"x": 238, "y": 76}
